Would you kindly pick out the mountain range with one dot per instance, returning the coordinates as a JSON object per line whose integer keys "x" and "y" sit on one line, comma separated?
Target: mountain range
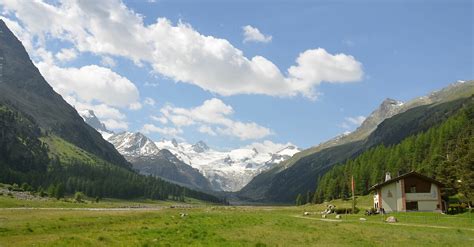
{"x": 195, "y": 165}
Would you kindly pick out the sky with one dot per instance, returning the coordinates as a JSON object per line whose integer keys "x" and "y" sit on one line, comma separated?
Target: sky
{"x": 237, "y": 73}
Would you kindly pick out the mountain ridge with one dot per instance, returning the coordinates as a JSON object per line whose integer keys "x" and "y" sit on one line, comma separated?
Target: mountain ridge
{"x": 347, "y": 146}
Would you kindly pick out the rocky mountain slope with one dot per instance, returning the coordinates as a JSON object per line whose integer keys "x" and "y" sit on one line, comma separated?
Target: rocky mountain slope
{"x": 24, "y": 89}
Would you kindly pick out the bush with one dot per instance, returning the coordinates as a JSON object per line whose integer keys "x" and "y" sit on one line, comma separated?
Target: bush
{"x": 79, "y": 196}
{"x": 26, "y": 187}
{"x": 346, "y": 211}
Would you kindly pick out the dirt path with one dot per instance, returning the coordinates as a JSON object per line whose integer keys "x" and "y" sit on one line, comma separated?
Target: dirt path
{"x": 88, "y": 209}
{"x": 392, "y": 224}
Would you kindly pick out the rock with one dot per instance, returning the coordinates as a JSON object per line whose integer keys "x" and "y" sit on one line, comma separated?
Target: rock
{"x": 306, "y": 213}
{"x": 362, "y": 219}
{"x": 338, "y": 216}
{"x": 391, "y": 219}
{"x": 323, "y": 216}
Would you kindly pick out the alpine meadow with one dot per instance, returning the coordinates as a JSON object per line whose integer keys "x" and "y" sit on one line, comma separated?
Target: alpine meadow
{"x": 236, "y": 123}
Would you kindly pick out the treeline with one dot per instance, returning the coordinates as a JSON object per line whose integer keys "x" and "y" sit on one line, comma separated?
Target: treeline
{"x": 24, "y": 160}
{"x": 444, "y": 152}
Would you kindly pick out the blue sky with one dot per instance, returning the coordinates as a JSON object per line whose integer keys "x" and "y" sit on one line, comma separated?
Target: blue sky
{"x": 392, "y": 49}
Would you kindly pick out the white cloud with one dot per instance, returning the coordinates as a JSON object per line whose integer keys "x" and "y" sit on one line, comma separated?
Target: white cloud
{"x": 252, "y": 34}
{"x": 166, "y": 131}
{"x": 217, "y": 113}
{"x": 65, "y": 55}
{"x": 205, "y": 129}
{"x": 115, "y": 124}
{"x": 162, "y": 120}
{"x": 356, "y": 120}
{"x": 178, "y": 51}
{"x": 108, "y": 61}
{"x": 91, "y": 83}
{"x": 135, "y": 106}
{"x": 151, "y": 84}
{"x": 245, "y": 131}
{"x": 268, "y": 146}
{"x": 149, "y": 101}
{"x": 102, "y": 111}
{"x": 352, "y": 122}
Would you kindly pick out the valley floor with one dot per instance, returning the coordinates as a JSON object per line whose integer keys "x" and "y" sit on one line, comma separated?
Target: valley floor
{"x": 165, "y": 224}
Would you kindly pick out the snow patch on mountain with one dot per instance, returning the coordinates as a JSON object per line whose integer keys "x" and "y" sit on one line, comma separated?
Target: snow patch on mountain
{"x": 227, "y": 170}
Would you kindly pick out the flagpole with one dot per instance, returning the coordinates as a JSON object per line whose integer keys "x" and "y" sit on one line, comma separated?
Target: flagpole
{"x": 353, "y": 194}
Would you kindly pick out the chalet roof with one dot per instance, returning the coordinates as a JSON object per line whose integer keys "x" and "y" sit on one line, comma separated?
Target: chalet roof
{"x": 409, "y": 174}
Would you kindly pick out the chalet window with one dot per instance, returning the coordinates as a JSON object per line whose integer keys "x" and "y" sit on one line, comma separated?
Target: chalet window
{"x": 412, "y": 206}
{"x": 413, "y": 189}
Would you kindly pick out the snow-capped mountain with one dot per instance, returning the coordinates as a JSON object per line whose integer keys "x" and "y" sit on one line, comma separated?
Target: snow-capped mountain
{"x": 91, "y": 119}
{"x": 133, "y": 144}
{"x": 148, "y": 159}
{"x": 188, "y": 163}
{"x": 226, "y": 170}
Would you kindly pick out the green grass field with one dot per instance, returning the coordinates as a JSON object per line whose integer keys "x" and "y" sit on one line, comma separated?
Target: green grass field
{"x": 207, "y": 225}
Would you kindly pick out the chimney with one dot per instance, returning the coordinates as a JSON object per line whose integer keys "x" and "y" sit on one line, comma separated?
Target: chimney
{"x": 387, "y": 176}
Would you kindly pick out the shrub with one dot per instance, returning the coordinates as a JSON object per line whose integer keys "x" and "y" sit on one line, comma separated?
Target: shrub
{"x": 345, "y": 211}
{"x": 79, "y": 196}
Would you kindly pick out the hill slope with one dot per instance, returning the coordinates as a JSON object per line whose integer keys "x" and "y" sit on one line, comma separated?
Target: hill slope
{"x": 24, "y": 89}
{"x": 300, "y": 173}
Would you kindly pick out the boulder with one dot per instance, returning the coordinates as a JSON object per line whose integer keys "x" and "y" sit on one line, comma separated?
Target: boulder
{"x": 306, "y": 213}
{"x": 338, "y": 216}
{"x": 391, "y": 219}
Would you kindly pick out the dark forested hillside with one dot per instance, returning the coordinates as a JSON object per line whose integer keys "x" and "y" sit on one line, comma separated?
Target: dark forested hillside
{"x": 444, "y": 152}
{"x": 44, "y": 160}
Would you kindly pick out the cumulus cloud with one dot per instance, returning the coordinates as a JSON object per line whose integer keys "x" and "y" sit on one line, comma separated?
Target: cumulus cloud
{"x": 91, "y": 83}
{"x": 65, "y": 55}
{"x": 166, "y": 131}
{"x": 214, "y": 112}
{"x": 252, "y": 34}
{"x": 115, "y": 124}
{"x": 178, "y": 51}
{"x": 112, "y": 117}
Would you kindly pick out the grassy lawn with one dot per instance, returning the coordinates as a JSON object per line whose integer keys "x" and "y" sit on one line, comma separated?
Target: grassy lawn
{"x": 224, "y": 226}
